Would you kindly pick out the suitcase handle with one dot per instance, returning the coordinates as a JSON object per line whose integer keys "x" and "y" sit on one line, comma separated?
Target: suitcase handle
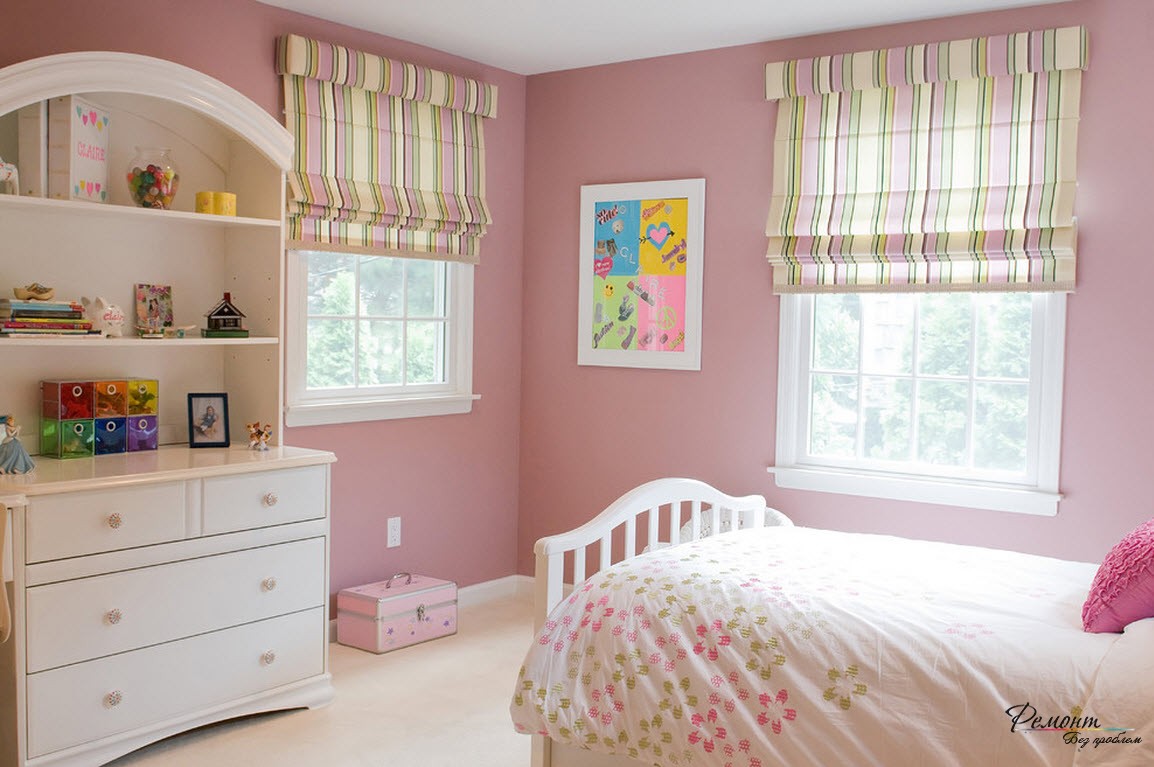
{"x": 389, "y": 582}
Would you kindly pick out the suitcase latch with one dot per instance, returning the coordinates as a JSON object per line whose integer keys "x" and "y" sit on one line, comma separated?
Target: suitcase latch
{"x": 420, "y": 612}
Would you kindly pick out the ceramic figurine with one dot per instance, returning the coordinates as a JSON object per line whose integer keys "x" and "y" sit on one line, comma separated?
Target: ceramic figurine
{"x": 105, "y": 317}
{"x": 258, "y": 437}
{"x": 34, "y": 292}
{"x": 14, "y": 459}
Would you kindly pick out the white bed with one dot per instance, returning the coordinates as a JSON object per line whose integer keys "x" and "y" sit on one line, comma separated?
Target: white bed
{"x": 738, "y": 640}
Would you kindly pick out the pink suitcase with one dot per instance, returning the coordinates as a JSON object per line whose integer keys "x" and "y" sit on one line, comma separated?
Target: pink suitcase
{"x": 402, "y": 611}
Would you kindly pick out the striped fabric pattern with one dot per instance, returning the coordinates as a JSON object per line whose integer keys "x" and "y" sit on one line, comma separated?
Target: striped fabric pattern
{"x": 301, "y": 57}
{"x": 390, "y": 158}
{"x": 946, "y": 166}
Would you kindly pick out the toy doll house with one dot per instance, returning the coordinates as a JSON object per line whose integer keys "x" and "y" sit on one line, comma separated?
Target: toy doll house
{"x": 224, "y": 320}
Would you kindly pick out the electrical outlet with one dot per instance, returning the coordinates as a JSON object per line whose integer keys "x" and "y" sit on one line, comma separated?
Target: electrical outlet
{"x": 394, "y": 532}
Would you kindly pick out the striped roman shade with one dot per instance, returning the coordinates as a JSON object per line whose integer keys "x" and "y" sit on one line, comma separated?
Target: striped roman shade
{"x": 944, "y": 166}
{"x": 390, "y": 157}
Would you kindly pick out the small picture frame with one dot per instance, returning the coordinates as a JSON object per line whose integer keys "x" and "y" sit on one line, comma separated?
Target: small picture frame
{"x": 153, "y": 309}
{"x": 208, "y": 420}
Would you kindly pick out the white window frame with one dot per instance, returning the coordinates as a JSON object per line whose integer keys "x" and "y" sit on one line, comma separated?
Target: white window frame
{"x": 453, "y": 397}
{"x": 1038, "y": 495}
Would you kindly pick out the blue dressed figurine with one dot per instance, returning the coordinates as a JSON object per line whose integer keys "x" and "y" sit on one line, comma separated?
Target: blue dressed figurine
{"x": 14, "y": 459}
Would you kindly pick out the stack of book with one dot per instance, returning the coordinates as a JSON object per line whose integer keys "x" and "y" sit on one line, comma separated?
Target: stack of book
{"x": 223, "y": 333}
{"x": 43, "y": 318}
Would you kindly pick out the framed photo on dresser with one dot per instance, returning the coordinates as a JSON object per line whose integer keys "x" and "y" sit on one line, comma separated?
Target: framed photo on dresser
{"x": 208, "y": 420}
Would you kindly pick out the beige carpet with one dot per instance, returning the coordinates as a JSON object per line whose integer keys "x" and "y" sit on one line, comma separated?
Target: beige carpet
{"x": 444, "y": 702}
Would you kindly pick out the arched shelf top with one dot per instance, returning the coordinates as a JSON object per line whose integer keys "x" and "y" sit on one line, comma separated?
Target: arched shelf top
{"x": 28, "y": 82}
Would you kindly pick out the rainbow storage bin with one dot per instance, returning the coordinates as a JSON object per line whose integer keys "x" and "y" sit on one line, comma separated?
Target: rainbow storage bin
{"x": 102, "y": 417}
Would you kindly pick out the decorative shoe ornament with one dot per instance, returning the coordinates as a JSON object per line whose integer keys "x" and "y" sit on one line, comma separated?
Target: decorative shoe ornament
{"x": 34, "y": 292}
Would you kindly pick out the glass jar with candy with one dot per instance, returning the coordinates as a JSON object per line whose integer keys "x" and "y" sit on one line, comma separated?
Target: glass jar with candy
{"x": 153, "y": 178}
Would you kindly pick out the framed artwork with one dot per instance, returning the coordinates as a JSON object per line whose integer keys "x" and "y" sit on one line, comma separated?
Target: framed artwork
{"x": 208, "y": 420}
{"x": 153, "y": 310}
{"x": 641, "y": 268}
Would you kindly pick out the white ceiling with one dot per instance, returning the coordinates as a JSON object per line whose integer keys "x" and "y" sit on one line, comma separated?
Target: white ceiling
{"x": 534, "y": 36}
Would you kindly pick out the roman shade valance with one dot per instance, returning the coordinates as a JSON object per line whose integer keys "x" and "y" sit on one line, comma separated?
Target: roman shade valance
{"x": 390, "y": 157}
{"x": 943, "y": 166}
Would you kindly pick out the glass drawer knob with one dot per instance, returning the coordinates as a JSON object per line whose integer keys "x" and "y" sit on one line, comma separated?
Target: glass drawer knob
{"x": 267, "y": 658}
{"x": 269, "y": 499}
{"x": 268, "y": 584}
{"x": 115, "y": 521}
{"x": 113, "y": 699}
{"x": 112, "y": 617}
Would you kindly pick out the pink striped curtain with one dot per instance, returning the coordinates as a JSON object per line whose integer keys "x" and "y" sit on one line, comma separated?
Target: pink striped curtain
{"x": 944, "y": 166}
{"x": 390, "y": 157}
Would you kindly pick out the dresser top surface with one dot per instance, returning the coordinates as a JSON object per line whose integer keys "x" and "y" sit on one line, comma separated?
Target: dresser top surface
{"x": 53, "y": 475}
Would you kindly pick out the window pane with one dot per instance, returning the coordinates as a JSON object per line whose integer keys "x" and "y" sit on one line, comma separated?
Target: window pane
{"x": 886, "y": 405}
{"x": 944, "y": 337}
{"x": 331, "y": 281}
{"x": 943, "y": 409}
{"x": 1001, "y": 426}
{"x": 330, "y": 356}
{"x": 888, "y": 333}
{"x": 426, "y": 355}
{"x": 381, "y": 352}
{"x": 1004, "y": 335}
{"x": 425, "y": 296}
{"x": 381, "y": 286}
{"x": 833, "y": 419}
{"x": 836, "y": 321}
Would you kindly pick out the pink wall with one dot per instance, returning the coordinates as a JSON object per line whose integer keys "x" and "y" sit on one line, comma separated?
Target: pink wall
{"x": 554, "y": 441}
{"x": 453, "y": 479}
{"x": 588, "y": 434}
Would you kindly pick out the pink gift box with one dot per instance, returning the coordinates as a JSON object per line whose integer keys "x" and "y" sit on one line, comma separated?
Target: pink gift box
{"x": 402, "y": 611}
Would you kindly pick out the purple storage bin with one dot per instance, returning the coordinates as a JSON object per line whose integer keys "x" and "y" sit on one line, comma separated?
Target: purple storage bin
{"x": 141, "y": 433}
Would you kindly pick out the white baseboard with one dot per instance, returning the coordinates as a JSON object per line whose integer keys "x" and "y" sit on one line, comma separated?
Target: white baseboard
{"x": 520, "y": 586}
{"x": 499, "y": 588}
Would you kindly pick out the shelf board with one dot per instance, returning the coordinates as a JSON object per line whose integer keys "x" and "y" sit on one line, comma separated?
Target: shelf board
{"x": 80, "y": 207}
{"x": 103, "y": 343}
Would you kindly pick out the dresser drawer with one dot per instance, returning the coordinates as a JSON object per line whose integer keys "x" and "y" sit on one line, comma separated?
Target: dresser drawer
{"x": 123, "y": 692}
{"x": 264, "y": 498}
{"x": 126, "y": 610}
{"x": 72, "y": 524}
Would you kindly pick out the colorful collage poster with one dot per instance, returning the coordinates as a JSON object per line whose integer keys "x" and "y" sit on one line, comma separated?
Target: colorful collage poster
{"x": 639, "y": 269}
{"x": 643, "y": 277}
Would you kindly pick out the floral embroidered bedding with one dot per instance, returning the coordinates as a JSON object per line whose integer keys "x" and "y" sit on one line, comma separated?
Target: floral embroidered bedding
{"x": 795, "y": 646}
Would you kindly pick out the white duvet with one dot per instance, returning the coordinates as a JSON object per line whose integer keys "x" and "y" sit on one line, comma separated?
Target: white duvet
{"x": 794, "y": 646}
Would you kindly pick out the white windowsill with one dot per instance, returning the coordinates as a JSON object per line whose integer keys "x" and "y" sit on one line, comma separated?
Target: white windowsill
{"x": 965, "y": 494}
{"x": 320, "y": 413}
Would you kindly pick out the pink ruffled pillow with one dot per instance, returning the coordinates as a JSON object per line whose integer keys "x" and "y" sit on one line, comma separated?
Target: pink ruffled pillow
{"x": 1123, "y": 588}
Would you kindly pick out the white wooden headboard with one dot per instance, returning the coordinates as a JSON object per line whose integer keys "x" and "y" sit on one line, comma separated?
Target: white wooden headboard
{"x": 681, "y": 509}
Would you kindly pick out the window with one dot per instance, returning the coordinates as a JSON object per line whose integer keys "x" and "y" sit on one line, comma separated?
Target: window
{"x": 948, "y": 398}
{"x": 385, "y": 213}
{"x": 375, "y": 337}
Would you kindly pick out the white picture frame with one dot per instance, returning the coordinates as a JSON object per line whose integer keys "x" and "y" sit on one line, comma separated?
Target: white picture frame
{"x": 641, "y": 268}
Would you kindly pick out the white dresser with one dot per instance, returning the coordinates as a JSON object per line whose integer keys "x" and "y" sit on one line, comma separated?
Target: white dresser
{"x": 155, "y": 592}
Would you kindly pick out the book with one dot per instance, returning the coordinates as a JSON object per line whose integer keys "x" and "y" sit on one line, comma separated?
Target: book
{"x": 49, "y": 324}
{"x": 224, "y": 333}
{"x": 48, "y": 332}
{"x": 11, "y": 304}
{"x": 41, "y": 316}
{"x": 51, "y": 317}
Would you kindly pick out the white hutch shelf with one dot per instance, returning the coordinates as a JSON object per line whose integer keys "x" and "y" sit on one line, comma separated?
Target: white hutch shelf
{"x": 219, "y": 141}
{"x": 159, "y": 591}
